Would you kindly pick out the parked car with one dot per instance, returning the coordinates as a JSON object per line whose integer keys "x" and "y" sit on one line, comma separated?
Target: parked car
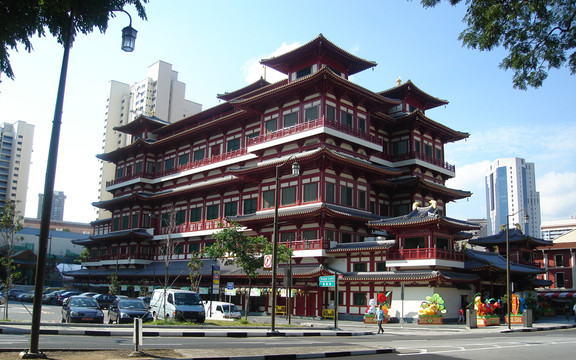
{"x": 146, "y": 299}
{"x": 2, "y": 299}
{"x": 81, "y": 309}
{"x": 26, "y": 296}
{"x": 91, "y": 294}
{"x": 14, "y": 293}
{"x": 104, "y": 300}
{"x": 126, "y": 310}
{"x": 66, "y": 294}
{"x": 219, "y": 310}
{"x": 50, "y": 298}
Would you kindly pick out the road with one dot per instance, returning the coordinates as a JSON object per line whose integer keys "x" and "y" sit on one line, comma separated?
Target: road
{"x": 548, "y": 345}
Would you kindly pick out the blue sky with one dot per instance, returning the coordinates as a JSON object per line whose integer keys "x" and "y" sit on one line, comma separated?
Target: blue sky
{"x": 215, "y": 46}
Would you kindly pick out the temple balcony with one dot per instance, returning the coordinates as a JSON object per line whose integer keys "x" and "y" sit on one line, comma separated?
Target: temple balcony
{"x": 318, "y": 126}
{"x": 118, "y": 259}
{"x": 208, "y": 225}
{"x": 424, "y": 257}
{"x": 216, "y": 159}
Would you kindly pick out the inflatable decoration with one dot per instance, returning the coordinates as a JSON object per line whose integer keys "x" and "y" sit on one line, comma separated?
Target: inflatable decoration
{"x": 486, "y": 308}
{"x": 431, "y": 310}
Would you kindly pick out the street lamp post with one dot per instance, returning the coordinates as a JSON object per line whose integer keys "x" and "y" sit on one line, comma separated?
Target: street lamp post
{"x": 128, "y": 39}
{"x": 508, "y": 300}
{"x": 295, "y": 172}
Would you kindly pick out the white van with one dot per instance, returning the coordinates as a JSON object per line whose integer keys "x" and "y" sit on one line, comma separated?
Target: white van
{"x": 222, "y": 310}
{"x": 177, "y": 304}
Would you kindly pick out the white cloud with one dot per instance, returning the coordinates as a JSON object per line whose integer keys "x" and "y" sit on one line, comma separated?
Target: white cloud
{"x": 557, "y": 195}
{"x": 253, "y": 70}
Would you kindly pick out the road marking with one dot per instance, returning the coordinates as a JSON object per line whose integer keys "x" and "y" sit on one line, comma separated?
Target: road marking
{"x": 420, "y": 351}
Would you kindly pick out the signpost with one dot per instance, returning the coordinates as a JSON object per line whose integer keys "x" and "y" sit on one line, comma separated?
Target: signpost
{"x": 329, "y": 281}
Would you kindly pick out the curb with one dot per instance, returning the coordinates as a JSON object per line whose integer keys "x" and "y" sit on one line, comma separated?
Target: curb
{"x": 302, "y": 356}
{"x": 231, "y": 334}
{"x": 558, "y": 327}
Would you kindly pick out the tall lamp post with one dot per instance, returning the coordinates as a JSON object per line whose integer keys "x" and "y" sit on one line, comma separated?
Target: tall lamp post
{"x": 295, "y": 172}
{"x": 508, "y": 300}
{"x": 128, "y": 41}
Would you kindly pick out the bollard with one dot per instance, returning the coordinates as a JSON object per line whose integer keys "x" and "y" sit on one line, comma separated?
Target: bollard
{"x": 471, "y": 319}
{"x": 527, "y": 318}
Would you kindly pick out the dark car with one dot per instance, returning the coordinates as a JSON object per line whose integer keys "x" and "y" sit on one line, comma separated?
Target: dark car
{"x": 146, "y": 299}
{"x": 50, "y": 298}
{"x": 14, "y": 293}
{"x": 59, "y": 300}
{"x": 105, "y": 300}
{"x": 26, "y": 297}
{"x": 81, "y": 309}
{"x": 125, "y": 310}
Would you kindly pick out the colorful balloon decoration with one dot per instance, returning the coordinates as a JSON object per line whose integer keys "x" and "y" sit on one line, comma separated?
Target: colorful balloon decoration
{"x": 486, "y": 308}
{"x": 432, "y": 306}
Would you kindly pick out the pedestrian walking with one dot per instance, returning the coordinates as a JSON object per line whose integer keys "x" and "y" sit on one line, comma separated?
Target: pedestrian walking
{"x": 574, "y": 312}
{"x": 380, "y": 318}
{"x": 567, "y": 311}
{"x": 461, "y": 316}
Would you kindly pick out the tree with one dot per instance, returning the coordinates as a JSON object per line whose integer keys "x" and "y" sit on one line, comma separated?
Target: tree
{"x": 10, "y": 224}
{"x": 195, "y": 266}
{"x": 231, "y": 246}
{"x": 23, "y": 19}
{"x": 539, "y": 34}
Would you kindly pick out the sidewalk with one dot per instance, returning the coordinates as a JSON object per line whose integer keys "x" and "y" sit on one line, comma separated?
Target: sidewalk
{"x": 300, "y": 327}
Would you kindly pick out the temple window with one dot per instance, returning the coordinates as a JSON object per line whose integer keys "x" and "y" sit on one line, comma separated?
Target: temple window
{"x": 231, "y": 208}
{"x": 183, "y": 159}
{"x": 359, "y": 267}
{"x": 346, "y": 196}
{"x": 290, "y": 119}
{"x": 304, "y": 72}
{"x": 428, "y": 150}
{"x": 180, "y": 217}
{"x": 345, "y": 238}
{"x": 329, "y": 192}
{"x": 287, "y": 236}
{"x": 250, "y": 206}
{"x": 193, "y": 247}
{"x": 211, "y": 212}
{"x": 438, "y": 153}
{"x": 309, "y": 234}
{"x": 195, "y": 214}
{"x": 199, "y": 155}
{"x": 359, "y": 299}
{"x": 346, "y": 118}
{"x": 311, "y": 113}
{"x": 125, "y": 220}
{"x": 558, "y": 260}
{"x": 289, "y": 195}
{"x": 233, "y": 144}
{"x": 169, "y": 164}
{"x": 119, "y": 173}
{"x": 271, "y": 125}
{"x": 361, "y": 199}
{"x": 560, "y": 280}
{"x": 400, "y": 147}
{"x": 179, "y": 249}
{"x": 362, "y": 124}
{"x": 380, "y": 266}
{"x": 329, "y": 235}
{"x": 138, "y": 167}
{"x": 400, "y": 209}
{"x": 310, "y": 192}
{"x": 134, "y": 220}
{"x": 330, "y": 113}
{"x": 268, "y": 199}
{"x": 150, "y": 167}
{"x": 417, "y": 147}
{"x": 414, "y": 243}
{"x": 442, "y": 243}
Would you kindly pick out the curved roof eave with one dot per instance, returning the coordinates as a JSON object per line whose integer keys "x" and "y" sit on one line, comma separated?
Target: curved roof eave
{"x": 319, "y": 45}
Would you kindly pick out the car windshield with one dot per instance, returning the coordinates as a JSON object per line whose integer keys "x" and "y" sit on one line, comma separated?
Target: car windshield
{"x": 83, "y": 302}
{"x": 132, "y": 304}
{"x": 227, "y": 308}
{"x": 187, "y": 299}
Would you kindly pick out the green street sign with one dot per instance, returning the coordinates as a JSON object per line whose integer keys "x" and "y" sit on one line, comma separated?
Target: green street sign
{"x": 327, "y": 281}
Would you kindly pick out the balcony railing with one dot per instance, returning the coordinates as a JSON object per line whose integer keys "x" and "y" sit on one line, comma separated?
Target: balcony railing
{"x": 314, "y": 244}
{"x": 425, "y": 253}
{"x": 178, "y": 169}
{"x": 119, "y": 257}
{"x": 312, "y": 124}
{"x": 419, "y": 156}
{"x": 193, "y": 226}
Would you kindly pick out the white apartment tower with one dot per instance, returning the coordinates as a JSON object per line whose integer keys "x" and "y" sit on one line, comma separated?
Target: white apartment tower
{"x": 160, "y": 95}
{"x": 511, "y": 189}
{"x": 15, "y": 159}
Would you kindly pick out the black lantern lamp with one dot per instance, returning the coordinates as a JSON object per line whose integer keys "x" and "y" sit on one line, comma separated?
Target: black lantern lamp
{"x": 128, "y": 36}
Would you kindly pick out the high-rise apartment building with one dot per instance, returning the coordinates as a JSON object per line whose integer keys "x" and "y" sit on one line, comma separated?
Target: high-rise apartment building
{"x": 57, "y": 213}
{"x": 15, "y": 158}
{"x": 556, "y": 228}
{"x": 160, "y": 95}
{"x": 511, "y": 189}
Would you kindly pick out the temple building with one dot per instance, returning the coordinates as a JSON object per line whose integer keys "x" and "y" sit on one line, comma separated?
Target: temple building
{"x": 368, "y": 205}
